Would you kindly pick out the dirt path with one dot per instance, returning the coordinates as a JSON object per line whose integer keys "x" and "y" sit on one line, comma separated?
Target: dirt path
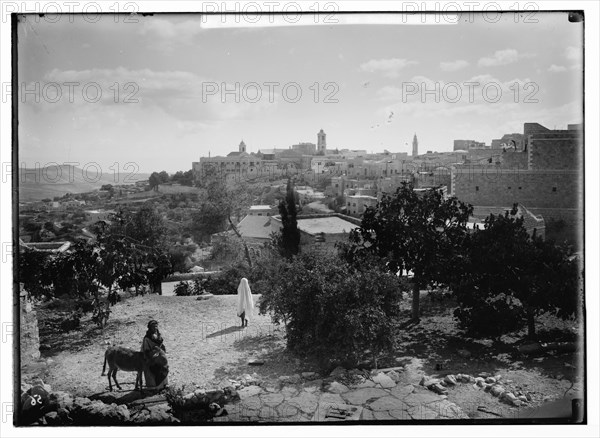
{"x": 203, "y": 341}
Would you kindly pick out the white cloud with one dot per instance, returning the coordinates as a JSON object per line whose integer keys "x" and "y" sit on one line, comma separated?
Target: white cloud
{"x": 454, "y": 65}
{"x": 557, "y": 68}
{"x": 182, "y": 95}
{"x": 388, "y": 67}
{"x": 481, "y": 94}
{"x": 500, "y": 57}
{"x": 573, "y": 53}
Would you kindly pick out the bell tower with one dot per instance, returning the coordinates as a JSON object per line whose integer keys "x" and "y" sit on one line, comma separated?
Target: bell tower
{"x": 242, "y": 146}
{"x": 321, "y": 141}
{"x": 415, "y": 145}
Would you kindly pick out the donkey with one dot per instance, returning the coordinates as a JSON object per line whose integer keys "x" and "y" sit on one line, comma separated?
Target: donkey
{"x": 124, "y": 359}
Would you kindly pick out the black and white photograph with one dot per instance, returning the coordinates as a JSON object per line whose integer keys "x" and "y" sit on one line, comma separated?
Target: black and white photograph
{"x": 219, "y": 215}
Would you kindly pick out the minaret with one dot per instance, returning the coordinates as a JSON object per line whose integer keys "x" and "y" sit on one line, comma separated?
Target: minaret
{"x": 321, "y": 143}
{"x": 242, "y": 146}
{"x": 415, "y": 146}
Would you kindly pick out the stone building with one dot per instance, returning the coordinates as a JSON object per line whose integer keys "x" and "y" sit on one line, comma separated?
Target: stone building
{"x": 239, "y": 163}
{"x": 358, "y": 203}
{"x": 465, "y": 145}
{"x": 514, "y": 141}
{"x": 546, "y": 176}
{"x": 323, "y": 230}
{"x": 305, "y": 148}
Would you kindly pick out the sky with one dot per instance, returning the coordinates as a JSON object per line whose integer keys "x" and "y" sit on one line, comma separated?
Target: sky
{"x": 167, "y": 89}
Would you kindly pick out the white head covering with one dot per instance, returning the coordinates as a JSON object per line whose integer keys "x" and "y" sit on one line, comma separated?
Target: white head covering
{"x": 245, "y": 302}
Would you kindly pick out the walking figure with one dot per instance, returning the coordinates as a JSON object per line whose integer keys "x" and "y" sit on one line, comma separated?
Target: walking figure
{"x": 245, "y": 302}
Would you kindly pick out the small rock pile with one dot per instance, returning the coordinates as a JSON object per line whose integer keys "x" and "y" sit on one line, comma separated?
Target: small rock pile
{"x": 244, "y": 381}
{"x": 40, "y": 405}
{"x": 492, "y": 384}
{"x": 201, "y": 405}
{"x": 348, "y": 377}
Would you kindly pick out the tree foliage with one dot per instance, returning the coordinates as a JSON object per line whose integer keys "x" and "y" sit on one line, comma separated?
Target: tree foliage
{"x": 163, "y": 176}
{"x": 508, "y": 278}
{"x": 228, "y": 249}
{"x": 154, "y": 181}
{"x": 130, "y": 252}
{"x": 414, "y": 233}
{"x": 329, "y": 307}
{"x": 288, "y": 240}
{"x": 223, "y": 207}
{"x": 135, "y": 249}
{"x": 184, "y": 178}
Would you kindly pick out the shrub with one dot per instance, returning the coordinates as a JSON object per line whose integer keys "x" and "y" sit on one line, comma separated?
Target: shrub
{"x": 227, "y": 281}
{"x": 330, "y": 308}
{"x": 182, "y": 289}
{"x": 197, "y": 287}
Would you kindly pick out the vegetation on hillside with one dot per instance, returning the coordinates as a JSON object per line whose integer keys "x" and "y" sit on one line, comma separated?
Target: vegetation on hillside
{"x": 414, "y": 234}
{"x": 129, "y": 253}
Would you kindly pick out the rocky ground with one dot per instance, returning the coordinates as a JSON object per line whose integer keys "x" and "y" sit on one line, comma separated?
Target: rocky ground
{"x": 207, "y": 350}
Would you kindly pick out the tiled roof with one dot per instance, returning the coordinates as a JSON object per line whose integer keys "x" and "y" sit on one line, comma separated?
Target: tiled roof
{"x": 257, "y": 227}
{"x": 327, "y": 225}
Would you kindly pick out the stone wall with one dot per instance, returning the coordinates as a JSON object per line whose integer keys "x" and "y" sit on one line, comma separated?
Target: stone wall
{"x": 514, "y": 160}
{"x": 433, "y": 179}
{"x": 30, "y": 336}
{"x": 534, "y": 189}
{"x": 556, "y": 150}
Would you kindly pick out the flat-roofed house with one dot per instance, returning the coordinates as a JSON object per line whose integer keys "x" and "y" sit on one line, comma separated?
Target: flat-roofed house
{"x": 321, "y": 229}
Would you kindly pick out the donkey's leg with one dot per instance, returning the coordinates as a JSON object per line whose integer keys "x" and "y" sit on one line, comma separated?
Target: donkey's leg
{"x": 115, "y": 378}
{"x": 109, "y": 381}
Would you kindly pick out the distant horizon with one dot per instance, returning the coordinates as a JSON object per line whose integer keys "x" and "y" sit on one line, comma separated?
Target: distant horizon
{"x": 408, "y": 146}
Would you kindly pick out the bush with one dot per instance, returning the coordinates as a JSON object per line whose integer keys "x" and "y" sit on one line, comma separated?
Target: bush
{"x": 182, "y": 289}
{"x": 227, "y": 281}
{"x": 331, "y": 309}
{"x": 197, "y": 287}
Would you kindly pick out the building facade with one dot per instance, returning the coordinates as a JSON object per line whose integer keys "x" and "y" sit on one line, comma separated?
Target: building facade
{"x": 465, "y": 145}
{"x": 549, "y": 185}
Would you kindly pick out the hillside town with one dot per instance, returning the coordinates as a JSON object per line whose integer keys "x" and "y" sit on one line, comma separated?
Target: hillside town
{"x": 539, "y": 169}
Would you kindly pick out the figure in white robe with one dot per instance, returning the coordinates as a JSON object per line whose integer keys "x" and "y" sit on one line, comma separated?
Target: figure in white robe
{"x": 245, "y": 302}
